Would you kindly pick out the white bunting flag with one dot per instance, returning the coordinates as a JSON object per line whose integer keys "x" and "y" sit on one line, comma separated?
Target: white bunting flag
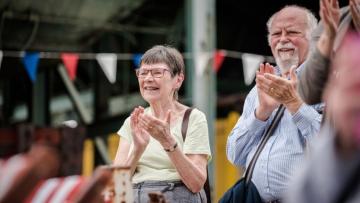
{"x": 251, "y": 62}
{"x": 108, "y": 65}
{"x": 201, "y": 62}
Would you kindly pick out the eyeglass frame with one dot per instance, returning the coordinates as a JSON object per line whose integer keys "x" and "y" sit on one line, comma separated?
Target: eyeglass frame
{"x": 151, "y": 72}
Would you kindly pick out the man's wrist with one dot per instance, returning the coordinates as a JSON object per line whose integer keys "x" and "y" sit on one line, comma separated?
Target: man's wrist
{"x": 294, "y": 106}
{"x": 261, "y": 115}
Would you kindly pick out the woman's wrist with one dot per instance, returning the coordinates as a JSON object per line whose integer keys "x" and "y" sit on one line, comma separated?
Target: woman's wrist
{"x": 138, "y": 150}
{"x": 171, "y": 149}
{"x": 169, "y": 143}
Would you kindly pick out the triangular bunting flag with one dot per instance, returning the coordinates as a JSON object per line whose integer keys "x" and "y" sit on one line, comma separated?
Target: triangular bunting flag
{"x": 70, "y": 61}
{"x": 108, "y": 65}
{"x": 1, "y": 56}
{"x": 201, "y": 61}
{"x": 137, "y": 60}
{"x": 251, "y": 63}
{"x": 219, "y": 57}
{"x": 31, "y": 61}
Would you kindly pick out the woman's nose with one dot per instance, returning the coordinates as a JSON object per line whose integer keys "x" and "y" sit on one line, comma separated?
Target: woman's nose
{"x": 149, "y": 76}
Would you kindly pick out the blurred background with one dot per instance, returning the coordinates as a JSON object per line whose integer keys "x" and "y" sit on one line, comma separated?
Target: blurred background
{"x": 67, "y": 71}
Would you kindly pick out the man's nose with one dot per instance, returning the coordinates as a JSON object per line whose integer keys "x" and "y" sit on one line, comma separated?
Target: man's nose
{"x": 284, "y": 37}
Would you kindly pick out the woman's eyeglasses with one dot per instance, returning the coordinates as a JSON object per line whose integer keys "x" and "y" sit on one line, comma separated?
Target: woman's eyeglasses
{"x": 156, "y": 72}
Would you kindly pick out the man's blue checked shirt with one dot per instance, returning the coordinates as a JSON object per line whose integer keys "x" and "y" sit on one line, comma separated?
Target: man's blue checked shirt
{"x": 283, "y": 152}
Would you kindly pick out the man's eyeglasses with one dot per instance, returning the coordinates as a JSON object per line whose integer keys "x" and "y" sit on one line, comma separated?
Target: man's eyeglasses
{"x": 156, "y": 72}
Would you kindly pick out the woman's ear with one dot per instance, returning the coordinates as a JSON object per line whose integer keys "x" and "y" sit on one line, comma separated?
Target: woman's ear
{"x": 179, "y": 80}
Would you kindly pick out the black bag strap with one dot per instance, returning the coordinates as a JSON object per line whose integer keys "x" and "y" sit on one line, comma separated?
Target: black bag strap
{"x": 267, "y": 134}
{"x": 185, "y": 123}
{"x": 184, "y": 127}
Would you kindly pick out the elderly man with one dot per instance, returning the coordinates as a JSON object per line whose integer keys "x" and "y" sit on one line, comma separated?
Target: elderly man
{"x": 289, "y": 38}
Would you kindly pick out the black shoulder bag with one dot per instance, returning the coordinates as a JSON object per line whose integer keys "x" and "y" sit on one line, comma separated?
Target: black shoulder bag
{"x": 244, "y": 190}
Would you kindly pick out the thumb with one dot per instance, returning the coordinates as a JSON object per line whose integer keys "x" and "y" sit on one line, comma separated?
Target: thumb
{"x": 293, "y": 76}
{"x": 168, "y": 116}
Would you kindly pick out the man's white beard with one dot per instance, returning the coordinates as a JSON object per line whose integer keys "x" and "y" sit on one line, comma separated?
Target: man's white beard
{"x": 286, "y": 60}
{"x": 286, "y": 64}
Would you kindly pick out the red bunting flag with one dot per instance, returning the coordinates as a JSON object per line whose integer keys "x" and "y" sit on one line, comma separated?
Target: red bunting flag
{"x": 219, "y": 57}
{"x": 70, "y": 61}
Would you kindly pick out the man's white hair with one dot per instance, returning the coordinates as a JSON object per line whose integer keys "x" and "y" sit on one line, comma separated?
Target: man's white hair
{"x": 311, "y": 21}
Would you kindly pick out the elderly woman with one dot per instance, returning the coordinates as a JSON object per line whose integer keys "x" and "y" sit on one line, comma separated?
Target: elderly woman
{"x": 152, "y": 143}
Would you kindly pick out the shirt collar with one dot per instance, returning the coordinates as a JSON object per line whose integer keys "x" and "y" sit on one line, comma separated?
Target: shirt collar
{"x": 297, "y": 71}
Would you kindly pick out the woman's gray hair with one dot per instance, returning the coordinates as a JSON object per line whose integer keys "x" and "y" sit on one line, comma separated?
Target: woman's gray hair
{"x": 168, "y": 55}
{"x": 311, "y": 21}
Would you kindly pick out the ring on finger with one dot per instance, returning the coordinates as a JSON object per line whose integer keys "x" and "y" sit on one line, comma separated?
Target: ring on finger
{"x": 271, "y": 90}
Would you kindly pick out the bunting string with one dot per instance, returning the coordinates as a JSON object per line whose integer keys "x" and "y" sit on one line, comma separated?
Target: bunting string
{"x": 57, "y": 55}
{"x": 119, "y": 56}
{"x": 107, "y": 61}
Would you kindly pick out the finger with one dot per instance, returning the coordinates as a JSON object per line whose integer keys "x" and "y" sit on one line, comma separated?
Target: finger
{"x": 356, "y": 11}
{"x": 261, "y": 80}
{"x": 264, "y": 88}
{"x": 279, "y": 84}
{"x": 323, "y": 5}
{"x": 168, "y": 117}
{"x": 257, "y": 76}
{"x": 272, "y": 69}
{"x": 267, "y": 68}
{"x": 269, "y": 91}
{"x": 353, "y": 6}
{"x": 333, "y": 3}
{"x": 352, "y": 11}
{"x": 143, "y": 120}
{"x": 269, "y": 87}
{"x": 260, "y": 83}
{"x": 328, "y": 8}
{"x": 132, "y": 121}
{"x": 261, "y": 70}
{"x": 327, "y": 4}
{"x": 279, "y": 81}
{"x": 337, "y": 5}
{"x": 133, "y": 112}
{"x": 153, "y": 120}
{"x": 293, "y": 76}
{"x": 134, "y": 115}
{"x": 137, "y": 111}
{"x": 140, "y": 110}
{"x": 322, "y": 9}
{"x": 143, "y": 126}
{"x": 326, "y": 18}
{"x": 133, "y": 118}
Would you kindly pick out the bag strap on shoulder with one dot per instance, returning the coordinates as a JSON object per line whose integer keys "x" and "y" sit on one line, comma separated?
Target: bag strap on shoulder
{"x": 267, "y": 134}
{"x": 184, "y": 127}
{"x": 185, "y": 123}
